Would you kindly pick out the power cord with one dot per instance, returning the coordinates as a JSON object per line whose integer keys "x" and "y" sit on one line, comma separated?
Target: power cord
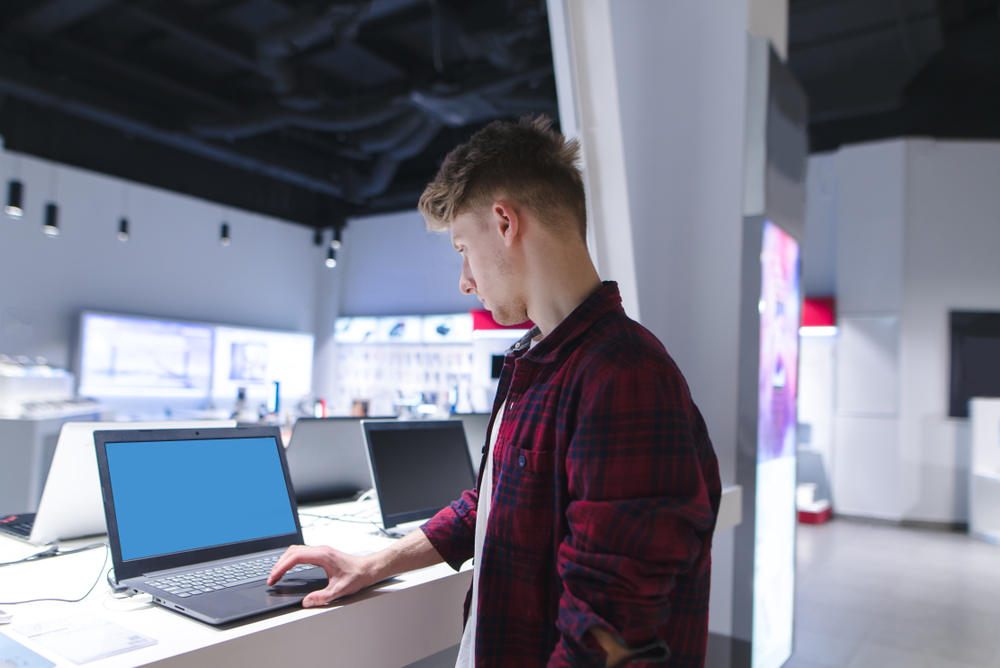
{"x": 54, "y": 552}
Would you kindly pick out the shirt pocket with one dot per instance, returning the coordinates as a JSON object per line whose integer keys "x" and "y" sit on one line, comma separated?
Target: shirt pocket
{"x": 522, "y": 509}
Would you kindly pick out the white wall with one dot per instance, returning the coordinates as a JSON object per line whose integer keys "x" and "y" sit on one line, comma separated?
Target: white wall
{"x": 916, "y": 237}
{"x": 387, "y": 265}
{"x": 172, "y": 265}
{"x": 951, "y": 263}
{"x": 394, "y": 266}
{"x": 681, "y": 71}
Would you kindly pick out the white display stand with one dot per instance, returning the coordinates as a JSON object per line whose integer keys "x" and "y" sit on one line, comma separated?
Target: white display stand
{"x": 984, "y": 478}
{"x": 391, "y": 625}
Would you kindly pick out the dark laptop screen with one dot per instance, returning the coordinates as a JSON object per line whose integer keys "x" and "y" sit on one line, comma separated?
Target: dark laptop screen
{"x": 419, "y": 467}
{"x": 174, "y": 496}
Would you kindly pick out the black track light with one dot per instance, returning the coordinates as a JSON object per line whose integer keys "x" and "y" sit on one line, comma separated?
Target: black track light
{"x": 51, "y": 226}
{"x": 224, "y": 237}
{"x": 318, "y": 238}
{"x": 331, "y": 258}
{"x": 15, "y": 194}
{"x": 123, "y": 229}
{"x": 335, "y": 244}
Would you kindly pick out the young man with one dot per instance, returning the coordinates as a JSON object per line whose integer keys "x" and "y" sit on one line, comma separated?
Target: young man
{"x": 591, "y": 526}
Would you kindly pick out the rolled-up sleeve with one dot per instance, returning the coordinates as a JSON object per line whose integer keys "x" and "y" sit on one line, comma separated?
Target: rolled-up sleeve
{"x": 452, "y": 531}
{"x": 640, "y": 513}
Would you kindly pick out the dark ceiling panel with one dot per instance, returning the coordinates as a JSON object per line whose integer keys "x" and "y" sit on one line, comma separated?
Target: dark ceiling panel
{"x": 334, "y": 108}
{"x": 875, "y": 69}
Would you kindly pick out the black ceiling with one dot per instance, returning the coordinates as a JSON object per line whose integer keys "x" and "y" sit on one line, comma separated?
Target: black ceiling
{"x": 307, "y": 110}
{"x": 875, "y": 69}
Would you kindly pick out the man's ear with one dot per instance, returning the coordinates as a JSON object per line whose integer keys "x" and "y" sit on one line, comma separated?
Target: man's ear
{"x": 507, "y": 221}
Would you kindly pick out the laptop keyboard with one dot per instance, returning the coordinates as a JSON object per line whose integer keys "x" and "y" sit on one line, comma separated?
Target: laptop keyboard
{"x": 18, "y": 525}
{"x": 185, "y": 585}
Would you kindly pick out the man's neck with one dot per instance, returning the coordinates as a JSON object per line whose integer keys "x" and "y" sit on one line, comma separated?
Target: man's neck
{"x": 559, "y": 283}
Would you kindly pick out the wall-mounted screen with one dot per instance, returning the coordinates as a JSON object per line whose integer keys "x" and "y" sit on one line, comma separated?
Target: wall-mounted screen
{"x": 132, "y": 356}
{"x": 975, "y": 358}
{"x": 774, "y": 544}
{"x": 255, "y": 359}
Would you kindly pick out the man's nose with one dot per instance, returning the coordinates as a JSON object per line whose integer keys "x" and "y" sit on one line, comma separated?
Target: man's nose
{"x": 466, "y": 284}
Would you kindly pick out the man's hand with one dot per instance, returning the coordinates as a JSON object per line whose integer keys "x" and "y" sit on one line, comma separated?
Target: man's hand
{"x": 348, "y": 574}
{"x": 617, "y": 655}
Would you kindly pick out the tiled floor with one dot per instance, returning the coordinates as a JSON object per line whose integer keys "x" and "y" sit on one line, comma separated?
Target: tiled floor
{"x": 886, "y": 597}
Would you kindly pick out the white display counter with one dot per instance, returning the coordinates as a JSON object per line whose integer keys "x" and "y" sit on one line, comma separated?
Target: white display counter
{"x": 390, "y": 625}
{"x": 984, "y": 474}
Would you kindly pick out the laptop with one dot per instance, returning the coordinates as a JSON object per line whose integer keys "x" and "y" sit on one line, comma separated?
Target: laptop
{"x": 71, "y": 505}
{"x": 419, "y": 467}
{"x": 198, "y": 517}
{"x": 327, "y": 460}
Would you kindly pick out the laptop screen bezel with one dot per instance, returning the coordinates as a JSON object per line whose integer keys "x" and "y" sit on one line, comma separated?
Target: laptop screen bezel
{"x": 132, "y": 568}
{"x": 390, "y": 521}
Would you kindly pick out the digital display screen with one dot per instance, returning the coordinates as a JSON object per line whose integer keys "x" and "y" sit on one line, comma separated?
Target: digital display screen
{"x": 774, "y": 546}
{"x": 256, "y": 359}
{"x": 122, "y": 356}
{"x": 174, "y": 496}
{"x": 419, "y": 469}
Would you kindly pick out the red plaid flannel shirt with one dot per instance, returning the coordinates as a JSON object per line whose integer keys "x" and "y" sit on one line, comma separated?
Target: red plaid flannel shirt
{"x": 605, "y": 494}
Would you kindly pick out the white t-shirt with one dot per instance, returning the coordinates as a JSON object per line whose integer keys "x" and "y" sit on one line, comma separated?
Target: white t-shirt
{"x": 467, "y": 651}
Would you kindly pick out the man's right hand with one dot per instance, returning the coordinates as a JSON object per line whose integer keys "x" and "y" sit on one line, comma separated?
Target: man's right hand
{"x": 348, "y": 574}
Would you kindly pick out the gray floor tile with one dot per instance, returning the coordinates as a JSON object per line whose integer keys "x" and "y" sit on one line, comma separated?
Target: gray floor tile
{"x": 877, "y": 596}
{"x": 877, "y": 656}
{"x": 823, "y": 649}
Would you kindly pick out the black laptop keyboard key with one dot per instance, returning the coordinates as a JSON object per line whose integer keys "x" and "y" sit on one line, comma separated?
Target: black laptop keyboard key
{"x": 18, "y": 525}
{"x": 221, "y": 577}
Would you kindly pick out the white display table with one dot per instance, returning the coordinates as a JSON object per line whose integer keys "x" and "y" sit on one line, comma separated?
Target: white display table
{"x": 390, "y": 625}
{"x": 984, "y": 474}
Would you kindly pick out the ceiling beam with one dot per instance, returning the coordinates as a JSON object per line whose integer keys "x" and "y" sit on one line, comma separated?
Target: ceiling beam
{"x": 23, "y": 83}
{"x": 50, "y": 17}
{"x": 194, "y": 36}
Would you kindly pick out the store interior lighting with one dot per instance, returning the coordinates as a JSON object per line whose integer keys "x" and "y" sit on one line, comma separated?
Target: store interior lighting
{"x": 123, "y": 229}
{"x": 15, "y": 196}
{"x": 224, "y": 236}
{"x": 51, "y": 226}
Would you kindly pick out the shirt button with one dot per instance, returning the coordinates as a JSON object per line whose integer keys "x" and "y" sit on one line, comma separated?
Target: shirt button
{"x": 521, "y": 461}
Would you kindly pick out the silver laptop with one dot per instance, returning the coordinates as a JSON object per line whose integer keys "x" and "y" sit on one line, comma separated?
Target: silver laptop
{"x": 327, "y": 460}
{"x": 198, "y": 517}
{"x": 71, "y": 506}
{"x": 419, "y": 467}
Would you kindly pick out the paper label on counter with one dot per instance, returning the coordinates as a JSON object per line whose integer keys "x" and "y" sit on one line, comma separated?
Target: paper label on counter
{"x": 14, "y": 654}
{"x": 84, "y": 638}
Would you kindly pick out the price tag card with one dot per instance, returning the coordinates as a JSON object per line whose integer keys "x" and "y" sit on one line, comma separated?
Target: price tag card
{"x": 84, "y": 638}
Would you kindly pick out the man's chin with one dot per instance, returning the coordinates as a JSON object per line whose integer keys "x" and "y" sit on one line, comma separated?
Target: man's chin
{"x": 507, "y": 318}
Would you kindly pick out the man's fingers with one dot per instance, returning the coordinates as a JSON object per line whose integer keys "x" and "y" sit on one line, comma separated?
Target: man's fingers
{"x": 291, "y": 557}
{"x": 321, "y": 597}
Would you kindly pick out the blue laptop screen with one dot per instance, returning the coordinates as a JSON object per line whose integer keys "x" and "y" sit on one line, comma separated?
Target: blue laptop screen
{"x": 173, "y": 496}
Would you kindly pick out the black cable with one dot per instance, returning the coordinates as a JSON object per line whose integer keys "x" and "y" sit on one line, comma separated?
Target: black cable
{"x": 107, "y": 551}
{"x": 52, "y": 551}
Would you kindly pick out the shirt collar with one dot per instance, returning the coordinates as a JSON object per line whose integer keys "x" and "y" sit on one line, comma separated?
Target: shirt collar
{"x": 575, "y": 324}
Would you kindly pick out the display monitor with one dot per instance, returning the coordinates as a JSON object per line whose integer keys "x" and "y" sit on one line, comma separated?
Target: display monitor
{"x": 143, "y": 357}
{"x": 256, "y": 359}
{"x": 777, "y": 383}
{"x": 975, "y": 359}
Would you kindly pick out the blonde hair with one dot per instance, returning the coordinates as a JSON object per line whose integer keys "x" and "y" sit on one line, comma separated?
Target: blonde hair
{"x": 527, "y": 161}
